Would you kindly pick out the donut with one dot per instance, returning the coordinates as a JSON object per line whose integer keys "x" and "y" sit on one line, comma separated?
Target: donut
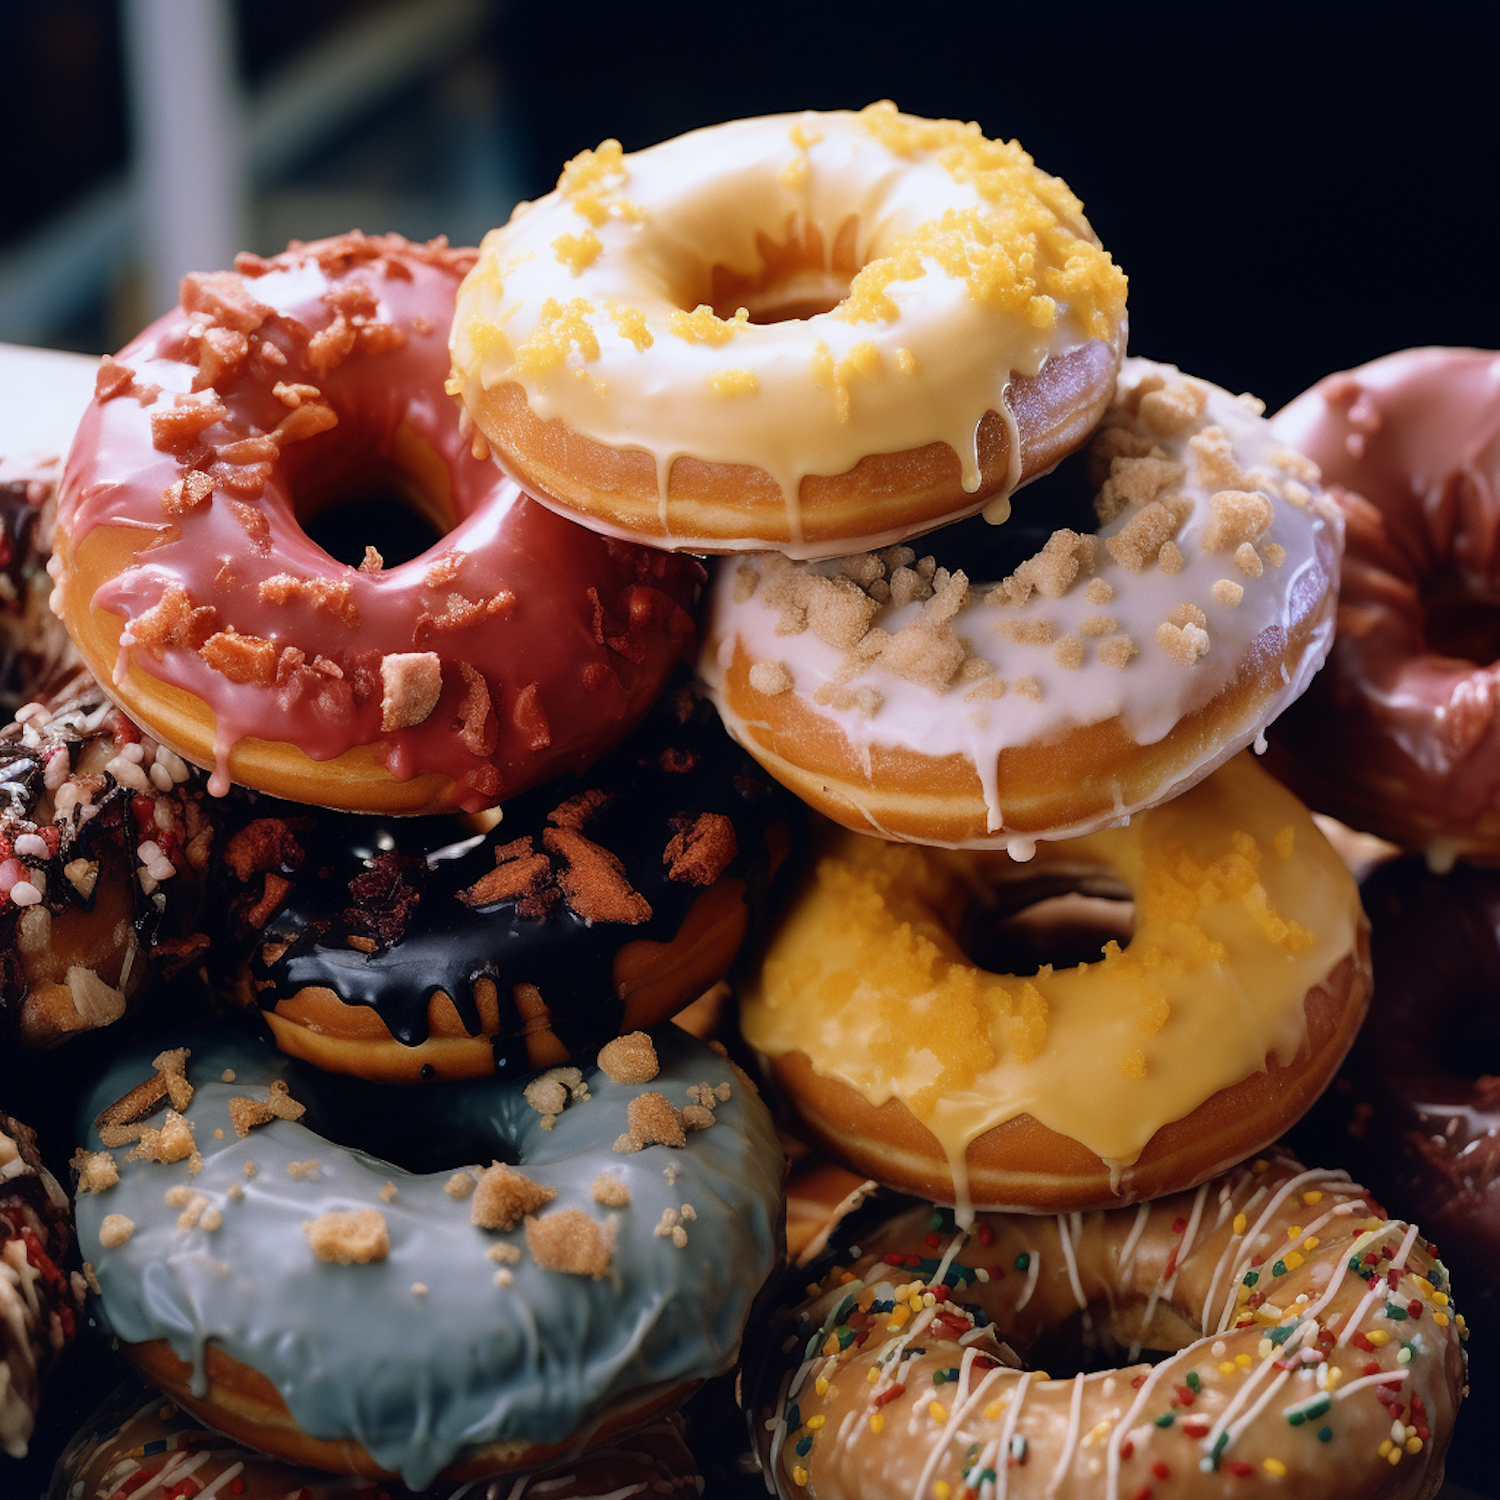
{"x": 1310, "y": 1343}
{"x": 137, "y": 1442}
{"x": 104, "y": 846}
{"x": 40, "y": 1303}
{"x": 817, "y": 332}
{"x": 1178, "y": 594}
{"x": 515, "y": 648}
{"x": 406, "y": 949}
{"x": 1400, "y": 736}
{"x": 34, "y": 647}
{"x": 1416, "y": 1107}
{"x": 1003, "y": 1081}
{"x": 329, "y": 1307}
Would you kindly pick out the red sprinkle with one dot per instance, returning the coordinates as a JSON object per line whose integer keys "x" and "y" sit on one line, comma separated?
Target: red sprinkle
{"x": 1161, "y": 1470}
{"x": 1127, "y": 1448}
{"x": 886, "y": 1397}
{"x": 1195, "y": 1429}
{"x": 1178, "y": 1225}
{"x": 986, "y": 1235}
{"x": 1144, "y": 1493}
{"x": 1137, "y": 1381}
{"x": 1361, "y": 1342}
{"x": 1184, "y": 1396}
{"x": 1414, "y": 1309}
{"x": 1372, "y": 1368}
{"x": 1240, "y": 1469}
{"x": 932, "y": 1241}
{"x": 939, "y": 1294}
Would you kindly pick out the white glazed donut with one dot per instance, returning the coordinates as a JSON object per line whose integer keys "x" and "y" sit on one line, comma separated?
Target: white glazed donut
{"x": 1105, "y": 674}
{"x": 817, "y": 332}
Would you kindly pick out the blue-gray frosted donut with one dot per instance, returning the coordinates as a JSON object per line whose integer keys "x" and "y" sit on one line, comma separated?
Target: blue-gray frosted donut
{"x": 455, "y": 1351}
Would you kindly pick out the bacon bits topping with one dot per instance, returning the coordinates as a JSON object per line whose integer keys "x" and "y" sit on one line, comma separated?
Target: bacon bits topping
{"x": 412, "y": 682}
{"x": 701, "y": 850}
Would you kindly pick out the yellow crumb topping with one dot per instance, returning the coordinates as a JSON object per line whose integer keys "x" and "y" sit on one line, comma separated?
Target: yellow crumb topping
{"x": 595, "y": 169}
{"x": 577, "y": 251}
{"x": 704, "y": 326}
{"x": 631, "y": 322}
{"x": 794, "y": 174}
{"x": 906, "y": 361}
{"x": 486, "y": 337}
{"x": 862, "y": 361}
{"x": 560, "y": 327}
{"x": 803, "y": 136}
{"x": 733, "y": 383}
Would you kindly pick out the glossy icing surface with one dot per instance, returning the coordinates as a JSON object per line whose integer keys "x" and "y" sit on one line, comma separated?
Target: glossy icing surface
{"x": 551, "y": 641}
{"x": 408, "y": 890}
{"x": 940, "y": 264}
{"x": 1104, "y": 645}
{"x": 1402, "y": 733}
{"x": 1241, "y": 908}
{"x": 418, "y": 1377}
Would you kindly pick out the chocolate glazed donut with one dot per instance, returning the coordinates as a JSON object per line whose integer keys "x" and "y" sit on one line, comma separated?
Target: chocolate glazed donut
{"x": 412, "y": 948}
{"x": 1416, "y": 1108}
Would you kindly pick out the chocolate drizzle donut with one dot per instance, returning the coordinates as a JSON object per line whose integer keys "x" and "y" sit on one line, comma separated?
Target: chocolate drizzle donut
{"x": 413, "y": 948}
{"x": 103, "y": 841}
{"x": 1416, "y": 1109}
{"x": 40, "y": 1303}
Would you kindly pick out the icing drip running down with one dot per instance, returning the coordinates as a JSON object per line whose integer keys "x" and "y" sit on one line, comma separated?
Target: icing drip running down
{"x": 789, "y": 295}
{"x": 1308, "y": 1339}
{"x": 1206, "y": 551}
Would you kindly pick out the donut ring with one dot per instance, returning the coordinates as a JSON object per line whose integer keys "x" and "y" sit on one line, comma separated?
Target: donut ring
{"x": 1407, "y": 1111}
{"x": 889, "y": 367}
{"x": 1104, "y": 675}
{"x": 516, "y": 649}
{"x": 136, "y": 1439}
{"x": 1400, "y": 736}
{"x": 411, "y": 949}
{"x": 1303, "y": 1326}
{"x": 365, "y": 1328}
{"x": 104, "y": 848}
{"x": 1196, "y": 1043}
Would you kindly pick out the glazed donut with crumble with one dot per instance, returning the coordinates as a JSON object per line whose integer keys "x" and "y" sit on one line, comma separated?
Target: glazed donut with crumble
{"x": 816, "y": 332}
{"x": 586, "y": 1256}
{"x": 1181, "y": 1048}
{"x": 516, "y": 648}
{"x": 1184, "y": 596}
{"x": 406, "y": 949}
{"x": 1311, "y": 1344}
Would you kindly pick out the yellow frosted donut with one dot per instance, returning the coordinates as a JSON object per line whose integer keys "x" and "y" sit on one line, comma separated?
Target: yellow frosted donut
{"x": 816, "y": 332}
{"x": 1188, "y": 1048}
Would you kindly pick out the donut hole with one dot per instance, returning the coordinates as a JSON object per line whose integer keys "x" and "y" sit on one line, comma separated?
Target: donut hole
{"x": 1103, "y": 1337}
{"x": 366, "y": 1117}
{"x": 1062, "y": 919}
{"x": 1468, "y": 1041}
{"x": 803, "y": 276}
{"x": 1460, "y": 619}
{"x": 382, "y": 518}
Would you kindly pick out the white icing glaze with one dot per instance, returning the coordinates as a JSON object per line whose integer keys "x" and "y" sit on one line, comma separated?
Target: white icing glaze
{"x": 1150, "y": 695}
{"x": 938, "y": 353}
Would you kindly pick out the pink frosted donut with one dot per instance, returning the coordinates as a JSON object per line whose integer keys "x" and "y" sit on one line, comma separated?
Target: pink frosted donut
{"x": 518, "y": 647}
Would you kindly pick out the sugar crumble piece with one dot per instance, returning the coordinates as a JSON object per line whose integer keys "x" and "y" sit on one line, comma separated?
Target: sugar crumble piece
{"x": 97, "y": 1170}
{"x": 990, "y": 688}
{"x": 173, "y": 1142}
{"x": 1136, "y": 545}
{"x": 1099, "y": 593}
{"x": 1170, "y": 559}
{"x": 746, "y": 581}
{"x": 655, "y": 1121}
{"x": 1028, "y": 632}
{"x": 236, "y": 1192}
{"x": 251, "y": 1169}
{"x": 571, "y": 1242}
{"x": 460, "y": 1185}
{"x": 1213, "y": 458}
{"x": 549, "y": 1093}
{"x": 1174, "y": 408}
{"x": 1068, "y": 653}
{"x": 245, "y": 1114}
{"x": 697, "y": 1117}
{"x": 114, "y": 1230}
{"x": 172, "y": 1066}
{"x": 419, "y": 1289}
{"x": 504, "y": 1254}
{"x": 388, "y": 1191}
{"x": 771, "y": 678}
{"x": 359, "y": 1237}
{"x": 670, "y": 1172}
{"x": 1275, "y": 554}
{"x": 671, "y": 1225}
{"x": 1247, "y": 560}
{"x": 309, "y": 1170}
{"x": 504, "y": 1277}
{"x": 1117, "y": 650}
{"x": 1227, "y": 592}
{"x": 629, "y": 1059}
{"x": 610, "y": 1192}
{"x": 1187, "y": 613}
{"x": 1185, "y": 644}
{"x": 412, "y": 682}
{"x": 1029, "y": 687}
{"x": 227, "y": 1076}
{"x": 1095, "y": 625}
{"x": 1135, "y": 481}
{"x": 503, "y": 1197}
{"x": 1236, "y": 516}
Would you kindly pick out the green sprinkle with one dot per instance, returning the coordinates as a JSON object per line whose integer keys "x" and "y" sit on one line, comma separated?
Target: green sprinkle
{"x": 1166, "y": 1419}
{"x": 1023, "y": 1261}
{"x": 1192, "y": 1382}
{"x": 1325, "y": 1434}
{"x": 935, "y": 1220}
{"x": 1251, "y": 1277}
{"x": 804, "y": 1446}
{"x": 1394, "y": 1313}
{"x": 1279, "y": 1269}
{"x": 844, "y": 1335}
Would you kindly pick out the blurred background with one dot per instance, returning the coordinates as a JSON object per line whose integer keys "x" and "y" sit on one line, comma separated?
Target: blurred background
{"x": 1291, "y": 189}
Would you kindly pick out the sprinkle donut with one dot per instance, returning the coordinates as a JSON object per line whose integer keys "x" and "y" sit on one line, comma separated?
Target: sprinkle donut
{"x": 515, "y": 649}
{"x": 1311, "y": 1344}
{"x": 105, "y": 842}
{"x": 1400, "y": 736}
{"x": 405, "y": 949}
{"x": 460, "y": 1322}
{"x": 136, "y": 1444}
{"x": 817, "y": 332}
{"x": 1186, "y": 601}
{"x": 1111, "y": 1077}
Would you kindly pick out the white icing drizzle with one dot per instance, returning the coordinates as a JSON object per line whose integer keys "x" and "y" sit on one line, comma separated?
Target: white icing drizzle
{"x": 1033, "y": 1270}
{"x": 1133, "y": 1240}
{"x": 1117, "y": 1435}
{"x": 1385, "y": 1377}
{"x": 1008, "y": 1432}
{"x": 1069, "y": 1228}
{"x": 1070, "y": 1442}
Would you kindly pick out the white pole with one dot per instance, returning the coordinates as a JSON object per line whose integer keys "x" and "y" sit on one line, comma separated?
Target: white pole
{"x": 188, "y": 157}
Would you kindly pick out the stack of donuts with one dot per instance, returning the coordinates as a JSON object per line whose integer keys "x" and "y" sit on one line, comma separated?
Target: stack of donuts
{"x": 755, "y": 576}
